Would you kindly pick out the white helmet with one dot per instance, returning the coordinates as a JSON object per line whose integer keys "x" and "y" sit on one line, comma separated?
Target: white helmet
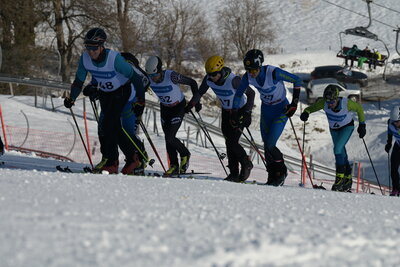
{"x": 395, "y": 113}
{"x": 153, "y": 65}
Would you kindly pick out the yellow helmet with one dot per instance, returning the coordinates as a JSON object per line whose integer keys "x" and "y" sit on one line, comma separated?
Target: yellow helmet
{"x": 214, "y": 63}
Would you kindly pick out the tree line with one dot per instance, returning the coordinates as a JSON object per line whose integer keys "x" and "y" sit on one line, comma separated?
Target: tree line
{"x": 39, "y": 36}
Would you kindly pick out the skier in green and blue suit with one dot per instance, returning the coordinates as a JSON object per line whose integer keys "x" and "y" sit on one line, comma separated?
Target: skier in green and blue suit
{"x": 275, "y": 109}
{"x": 341, "y": 126}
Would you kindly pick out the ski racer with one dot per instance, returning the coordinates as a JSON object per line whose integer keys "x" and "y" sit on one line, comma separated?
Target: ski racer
{"x": 275, "y": 108}
{"x": 165, "y": 84}
{"x": 224, "y": 83}
{"x": 118, "y": 85}
{"x": 394, "y": 130}
{"x": 341, "y": 126}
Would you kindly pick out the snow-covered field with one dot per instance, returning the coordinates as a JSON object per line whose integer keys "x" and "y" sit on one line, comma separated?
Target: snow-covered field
{"x": 49, "y": 218}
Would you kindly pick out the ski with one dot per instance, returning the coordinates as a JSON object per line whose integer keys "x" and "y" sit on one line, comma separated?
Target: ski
{"x": 68, "y": 170}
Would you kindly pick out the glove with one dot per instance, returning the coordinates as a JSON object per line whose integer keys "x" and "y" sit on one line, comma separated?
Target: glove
{"x": 245, "y": 119}
{"x": 189, "y": 106}
{"x": 138, "y": 107}
{"x": 234, "y": 118}
{"x": 91, "y": 91}
{"x": 361, "y": 130}
{"x": 304, "y": 116}
{"x": 69, "y": 102}
{"x": 388, "y": 146}
{"x": 291, "y": 109}
{"x": 198, "y": 107}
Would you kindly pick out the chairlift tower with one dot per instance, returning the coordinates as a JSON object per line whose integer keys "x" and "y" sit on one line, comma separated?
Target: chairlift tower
{"x": 363, "y": 32}
{"x": 397, "y": 60}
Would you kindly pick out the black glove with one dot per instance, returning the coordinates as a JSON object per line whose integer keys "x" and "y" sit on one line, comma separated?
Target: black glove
{"x": 198, "y": 107}
{"x": 388, "y": 146}
{"x": 234, "y": 118}
{"x": 291, "y": 108}
{"x": 189, "y": 106}
{"x": 245, "y": 119}
{"x": 361, "y": 130}
{"x": 138, "y": 107}
{"x": 304, "y": 116}
{"x": 91, "y": 91}
{"x": 69, "y": 102}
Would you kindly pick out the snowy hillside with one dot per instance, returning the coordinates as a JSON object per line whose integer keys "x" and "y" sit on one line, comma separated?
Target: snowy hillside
{"x": 50, "y": 218}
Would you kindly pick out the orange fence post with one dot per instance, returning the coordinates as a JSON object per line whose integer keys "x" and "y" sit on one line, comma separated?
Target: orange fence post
{"x": 4, "y": 128}
{"x": 358, "y": 176}
{"x": 87, "y": 136}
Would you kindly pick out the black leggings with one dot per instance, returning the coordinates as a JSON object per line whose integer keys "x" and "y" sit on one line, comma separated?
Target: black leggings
{"x": 394, "y": 165}
{"x": 112, "y": 104}
{"x": 171, "y": 120}
{"x": 234, "y": 150}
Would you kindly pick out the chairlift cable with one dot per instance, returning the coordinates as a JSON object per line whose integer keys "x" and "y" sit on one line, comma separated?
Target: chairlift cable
{"x": 388, "y": 8}
{"x": 362, "y": 15}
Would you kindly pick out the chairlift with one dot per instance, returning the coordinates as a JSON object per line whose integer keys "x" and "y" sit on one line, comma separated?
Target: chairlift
{"x": 365, "y": 33}
{"x": 397, "y": 60}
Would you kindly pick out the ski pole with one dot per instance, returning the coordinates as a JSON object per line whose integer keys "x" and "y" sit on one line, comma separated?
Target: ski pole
{"x": 150, "y": 161}
{"x": 370, "y": 160}
{"x": 207, "y": 133}
{"x": 151, "y": 143}
{"x": 303, "y": 157}
{"x": 212, "y": 143}
{"x": 80, "y": 134}
{"x": 254, "y": 145}
{"x": 95, "y": 111}
{"x": 302, "y": 161}
{"x": 389, "y": 171}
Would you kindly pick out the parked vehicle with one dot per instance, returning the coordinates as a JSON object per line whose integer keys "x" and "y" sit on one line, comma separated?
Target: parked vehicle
{"x": 341, "y": 74}
{"x": 315, "y": 89}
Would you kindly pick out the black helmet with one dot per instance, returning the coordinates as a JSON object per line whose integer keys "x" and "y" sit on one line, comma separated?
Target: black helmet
{"x": 95, "y": 36}
{"x": 331, "y": 92}
{"x": 253, "y": 59}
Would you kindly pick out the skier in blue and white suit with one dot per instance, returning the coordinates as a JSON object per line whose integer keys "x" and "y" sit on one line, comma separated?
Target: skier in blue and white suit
{"x": 275, "y": 108}
{"x": 118, "y": 84}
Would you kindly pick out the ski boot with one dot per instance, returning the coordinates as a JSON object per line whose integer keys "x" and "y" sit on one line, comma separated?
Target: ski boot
{"x": 395, "y": 193}
{"x": 347, "y": 180}
{"x": 232, "y": 177}
{"x": 173, "y": 170}
{"x": 277, "y": 173}
{"x": 247, "y": 166}
{"x": 184, "y": 164}
{"x": 338, "y": 185}
{"x": 131, "y": 164}
{"x": 111, "y": 166}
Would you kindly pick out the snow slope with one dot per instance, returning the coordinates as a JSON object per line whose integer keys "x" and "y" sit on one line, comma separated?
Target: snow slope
{"x": 56, "y": 219}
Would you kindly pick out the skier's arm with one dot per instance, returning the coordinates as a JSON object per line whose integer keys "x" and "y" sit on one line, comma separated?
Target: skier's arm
{"x": 248, "y": 107}
{"x": 178, "y": 78}
{"x": 281, "y": 75}
{"x": 354, "y": 106}
{"x": 80, "y": 77}
{"x": 244, "y": 83}
{"x": 202, "y": 90}
{"x": 126, "y": 69}
{"x": 316, "y": 106}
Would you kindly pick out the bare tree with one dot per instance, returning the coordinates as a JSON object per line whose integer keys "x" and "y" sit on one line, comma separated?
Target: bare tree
{"x": 174, "y": 26}
{"x": 70, "y": 20}
{"x": 246, "y": 24}
{"x": 18, "y": 21}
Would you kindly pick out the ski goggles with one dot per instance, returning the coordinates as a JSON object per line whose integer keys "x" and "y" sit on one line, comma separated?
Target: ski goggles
{"x": 330, "y": 102}
{"x": 213, "y": 74}
{"x": 92, "y": 47}
{"x": 253, "y": 71}
{"x": 153, "y": 74}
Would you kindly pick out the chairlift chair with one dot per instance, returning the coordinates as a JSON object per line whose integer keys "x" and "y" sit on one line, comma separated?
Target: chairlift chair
{"x": 365, "y": 33}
